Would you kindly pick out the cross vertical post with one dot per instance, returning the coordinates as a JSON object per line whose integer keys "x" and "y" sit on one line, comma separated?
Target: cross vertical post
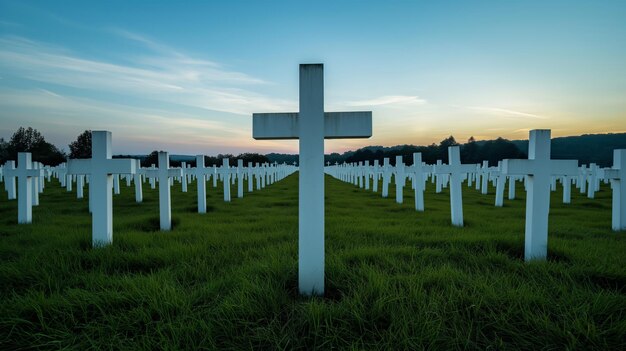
{"x": 311, "y": 125}
{"x": 617, "y": 175}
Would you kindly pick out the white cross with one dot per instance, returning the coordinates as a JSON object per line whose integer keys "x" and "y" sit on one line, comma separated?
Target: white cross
{"x": 164, "y": 173}
{"x": 80, "y": 183}
{"x": 538, "y": 169}
{"x": 9, "y": 180}
{"x": 582, "y": 179}
{"x": 368, "y": 173}
{"x": 37, "y": 180}
{"x": 375, "y": 176}
{"x": 500, "y": 182}
{"x": 116, "y": 184}
{"x": 617, "y": 175}
{"x": 183, "y": 179}
{"x": 566, "y": 181}
{"x": 455, "y": 170}
{"x": 201, "y": 172}
{"x": 512, "y": 180}
{"x": 257, "y": 174}
{"x": 591, "y": 178}
{"x": 250, "y": 183}
{"x": 137, "y": 180}
{"x": 386, "y": 177}
{"x": 400, "y": 179}
{"x": 225, "y": 175}
{"x": 100, "y": 167}
{"x": 438, "y": 176}
{"x": 418, "y": 181}
{"x": 311, "y": 126}
{"x": 239, "y": 178}
{"x": 484, "y": 172}
{"x": 62, "y": 174}
{"x": 152, "y": 179}
{"x": 24, "y": 174}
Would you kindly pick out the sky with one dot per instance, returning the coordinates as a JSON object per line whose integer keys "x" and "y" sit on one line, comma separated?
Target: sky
{"x": 185, "y": 77}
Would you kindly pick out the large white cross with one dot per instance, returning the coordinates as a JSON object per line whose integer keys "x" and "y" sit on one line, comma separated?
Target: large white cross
{"x": 455, "y": 169}
{"x": 617, "y": 175}
{"x": 100, "y": 167}
{"x": 311, "y": 126}
{"x": 539, "y": 168}
{"x": 164, "y": 173}
{"x": 24, "y": 174}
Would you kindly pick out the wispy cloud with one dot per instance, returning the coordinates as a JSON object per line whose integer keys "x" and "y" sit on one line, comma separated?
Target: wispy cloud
{"x": 159, "y": 127}
{"x": 506, "y": 112}
{"x": 163, "y": 75}
{"x": 9, "y": 24}
{"x": 390, "y": 100}
{"x": 72, "y": 107}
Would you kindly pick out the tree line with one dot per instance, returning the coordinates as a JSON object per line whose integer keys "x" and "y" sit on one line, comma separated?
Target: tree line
{"x": 471, "y": 152}
{"x": 586, "y": 148}
{"x": 31, "y": 140}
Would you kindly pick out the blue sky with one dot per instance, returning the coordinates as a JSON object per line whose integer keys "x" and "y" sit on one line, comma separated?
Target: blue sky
{"x": 186, "y": 76}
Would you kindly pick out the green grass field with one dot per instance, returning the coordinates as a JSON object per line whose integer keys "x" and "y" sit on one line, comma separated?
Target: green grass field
{"x": 395, "y": 278}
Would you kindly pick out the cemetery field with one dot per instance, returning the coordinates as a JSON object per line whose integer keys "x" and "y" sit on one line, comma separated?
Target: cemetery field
{"x": 395, "y": 278}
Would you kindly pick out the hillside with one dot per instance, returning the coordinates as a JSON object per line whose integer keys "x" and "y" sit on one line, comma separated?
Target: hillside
{"x": 587, "y": 148}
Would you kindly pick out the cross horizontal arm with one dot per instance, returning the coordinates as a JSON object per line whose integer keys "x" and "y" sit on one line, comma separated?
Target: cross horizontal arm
{"x": 613, "y": 174}
{"x": 121, "y": 166}
{"x": 342, "y": 125}
{"x": 448, "y": 169}
{"x": 443, "y": 169}
{"x": 201, "y": 171}
{"x": 469, "y": 168}
{"x": 174, "y": 172}
{"x": 151, "y": 173}
{"x": 79, "y": 166}
{"x": 517, "y": 167}
{"x": 337, "y": 125}
{"x": 564, "y": 167}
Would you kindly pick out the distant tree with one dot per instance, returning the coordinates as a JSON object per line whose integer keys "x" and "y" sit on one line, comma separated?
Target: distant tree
{"x": 31, "y": 140}
{"x": 449, "y": 141}
{"x": 361, "y": 155}
{"x": 497, "y": 150}
{"x": 81, "y": 147}
{"x": 332, "y": 158}
{"x": 151, "y": 159}
{"x": 443, "y": 147}
{"x": 469, "y": 151}
{"x": 282, "y": 158}
{"x": 4, "y": 151}
{"x": 211, "y": 161}
{"x": 25, "y": 140}
{"x": 252, "y": 157}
